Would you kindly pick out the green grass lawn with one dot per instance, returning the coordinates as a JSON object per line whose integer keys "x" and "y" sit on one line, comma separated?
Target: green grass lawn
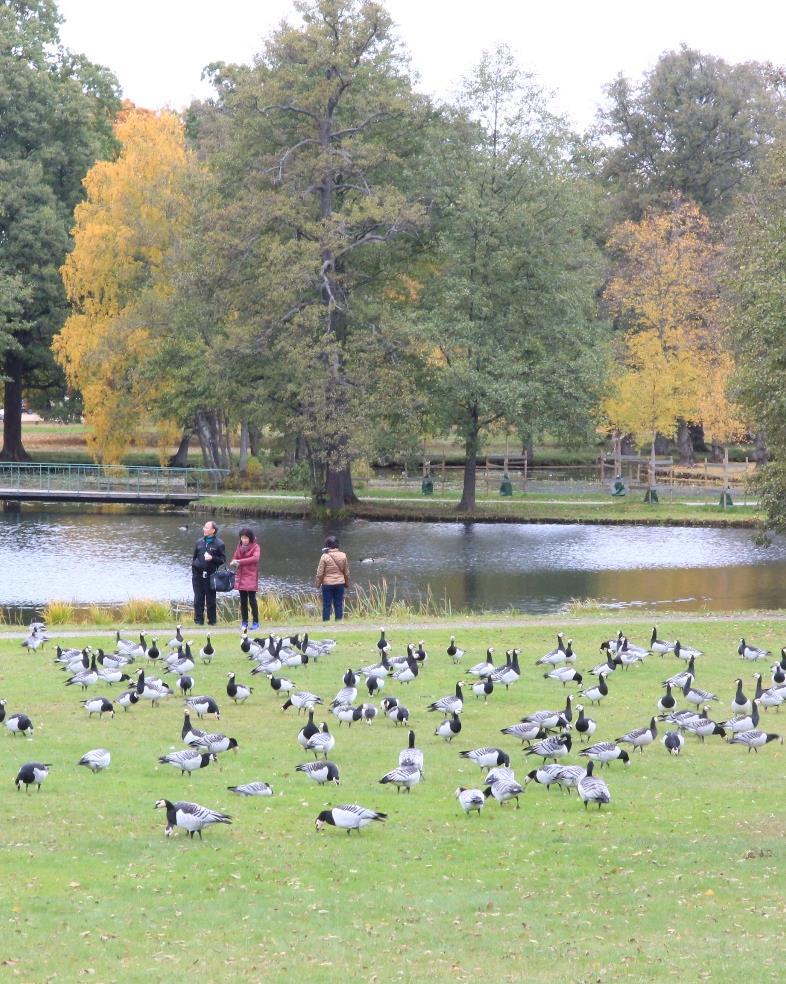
{"x": 681, "y": 875}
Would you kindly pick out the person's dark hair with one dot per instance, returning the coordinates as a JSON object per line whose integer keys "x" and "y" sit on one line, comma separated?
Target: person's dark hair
{"x": 246, "y": 531}
{"x": 331, "y": 543}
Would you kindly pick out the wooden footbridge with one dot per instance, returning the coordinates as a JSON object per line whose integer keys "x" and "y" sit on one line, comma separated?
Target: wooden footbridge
{"x": 121, "y": 484}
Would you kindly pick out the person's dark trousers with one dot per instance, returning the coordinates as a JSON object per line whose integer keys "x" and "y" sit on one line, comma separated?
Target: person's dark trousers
{"x": 203, "y": 598}
{"x": 246, "y": 598}
{"x": 333, "y": 597}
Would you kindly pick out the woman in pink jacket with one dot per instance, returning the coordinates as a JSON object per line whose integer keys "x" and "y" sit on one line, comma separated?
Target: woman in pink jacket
{"x": 246, "y": 560}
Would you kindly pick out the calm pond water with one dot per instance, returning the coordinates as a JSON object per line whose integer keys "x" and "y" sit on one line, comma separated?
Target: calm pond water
{"x": 95, "y": 557}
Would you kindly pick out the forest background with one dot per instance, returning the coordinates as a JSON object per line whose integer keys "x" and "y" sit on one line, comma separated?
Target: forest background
{"x": 323, "y": 265}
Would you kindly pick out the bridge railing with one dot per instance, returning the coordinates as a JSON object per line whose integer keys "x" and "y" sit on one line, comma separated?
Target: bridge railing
{"x": 129, "y": 479}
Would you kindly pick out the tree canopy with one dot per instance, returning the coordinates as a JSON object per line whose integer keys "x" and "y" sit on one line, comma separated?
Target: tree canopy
{"x": 56, "y": 110}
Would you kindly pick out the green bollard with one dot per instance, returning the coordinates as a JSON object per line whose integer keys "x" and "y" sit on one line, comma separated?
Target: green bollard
{"x": 427, "y": 485}
{"x": 506, "y": 486}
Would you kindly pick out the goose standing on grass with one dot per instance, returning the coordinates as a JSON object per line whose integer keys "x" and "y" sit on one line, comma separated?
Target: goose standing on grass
{"x": 660, "y": 646}
{"x": 527, "y": 731}
{"x": 176, "y": 642}
{"x": 203, "y": 705}
{"x": 322, "y": 742}
{"x": 85, "y": 678}
{"x": 593, "y": 789}
{"x": 754, "y": 740}
{"x": 303, "y": 700}
{"x": 673, "y": 742}
{"x": 19, "y": 724}
{"x": 408, "y": 672}
{"x": 556, "y": 656}
{"x": 215, "y": 743}
{"x": 2, "y": 710}
{"x": 449, "y": 728}
{"x": 190, "y": 817}
{"x": 403, "y": 777}
{"x": 688, "y": 675}
{"x": 483, "y": 688}
{"x": 565, "y": 675}
{"x": 374, "y": 684}
{"x": 307, "y": 731}
{"x": 606, "y": 752}
{"x": 382, "y": 644}
{"x": 585, "y": 726}
{"x": 470, "y": 800}
{"x": 503, "y": 790}
{"x": 546, "y": 775}
{"x": 597, "y": 692}
{"x": 152, "y": 652}
{"x": 320, "y": 772}
{"x": 751, "y": 653}
{"x": 668, "y": 701}
{"x": 99, "y": 706}
{"x": 206, "y": 653}
{"x": 686, "y": 652}
{"x": 349, "y": 817}
{"x": 96, "y": 760}
{"x": 694, "y": 695}
{"x": 185, "y": 684}
{"x": 744, "y": 722}
{"x": 238, "y": 692}
{"x": 189, "y": 734}
{"x": 640, "y": 737}
{"x": 740, "y": 704}
{"x": 188, "y": 760}
{"x": 483, "y": 669}
{"x": 452, "y": 704}
{"x": 487, "y": 757}
{"x": 455, "y": 653}
{"x": 281, "y": 685}
{"x": 395, "y": 711}
{"x": 32, "y": 772}
{"x": 127, "y": 699}
{"x": 256, "y": 788}
{"x": 551, "y": 748}
{"x": 611, "y": 664}
{"x": 411, "y": 755}
{"x": 510, "y": 672}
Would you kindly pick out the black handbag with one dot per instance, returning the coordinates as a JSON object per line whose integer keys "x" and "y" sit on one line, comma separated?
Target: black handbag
{"x": 223, "y": 579}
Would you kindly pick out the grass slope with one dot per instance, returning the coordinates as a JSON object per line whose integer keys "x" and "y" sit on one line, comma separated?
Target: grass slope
{"x": 682, "y": 875}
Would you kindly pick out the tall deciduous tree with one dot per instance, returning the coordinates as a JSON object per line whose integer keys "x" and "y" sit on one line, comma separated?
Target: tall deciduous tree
{"x": 136, "y": 208}
{"x": 756, "y": 273}
{"x": 666, "y": 286}
{"x": 508, "y": 317}
{"x": 56, "y": 110}
{"x": 310, "y": 161}
{"x": 694, "y": 124}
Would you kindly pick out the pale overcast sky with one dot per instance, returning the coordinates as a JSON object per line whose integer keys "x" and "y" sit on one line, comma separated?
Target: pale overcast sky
{"x": 158, "y": 48}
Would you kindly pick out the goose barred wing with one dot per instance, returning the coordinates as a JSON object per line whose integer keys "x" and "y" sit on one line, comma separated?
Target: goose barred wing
{"x": 201, "y": 813}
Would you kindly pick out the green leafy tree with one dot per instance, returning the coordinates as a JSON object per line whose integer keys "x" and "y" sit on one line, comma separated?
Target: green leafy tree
{"x": 312, "y": 225}
{"x": 56, "y": 110}
{"x": 756, "y": 273}
{"x": 507, "y": 321}
{"x": 694, "y": 124}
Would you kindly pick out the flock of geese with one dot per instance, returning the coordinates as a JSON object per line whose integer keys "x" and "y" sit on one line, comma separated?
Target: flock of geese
{"x": 547, "y": 736}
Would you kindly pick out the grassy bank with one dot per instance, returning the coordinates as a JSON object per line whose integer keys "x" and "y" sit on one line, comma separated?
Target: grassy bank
{"x": 680, "y": 875}
{"x": 531, "y": 508}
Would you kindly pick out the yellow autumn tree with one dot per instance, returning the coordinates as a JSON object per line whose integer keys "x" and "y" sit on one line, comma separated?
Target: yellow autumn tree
{"x": 666, "y": 293}
{"x": 134, "y": 210}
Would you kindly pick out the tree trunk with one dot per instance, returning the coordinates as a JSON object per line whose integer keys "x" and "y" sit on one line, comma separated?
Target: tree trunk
{"x": 243, "y": 462}
{"x": 255, "y": 440}
{"x": 180, "y": 458}
{"x": 697, "y": 436}
{"x": 684, "y": 443}
{"x": 208, "y": 439}
{"x": 662, "y": 445}
{"x": 334, "y": 491}
{"x": 717, "y": 452}
{"x": 349, "y": 492}
{"x": 761, "y": 453}
{"x": 467, "y": 503}
{"x": 13, "y": 449}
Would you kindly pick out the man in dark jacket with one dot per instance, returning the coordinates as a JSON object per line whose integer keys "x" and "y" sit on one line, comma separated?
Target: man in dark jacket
{"x": 209, "y": 555}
